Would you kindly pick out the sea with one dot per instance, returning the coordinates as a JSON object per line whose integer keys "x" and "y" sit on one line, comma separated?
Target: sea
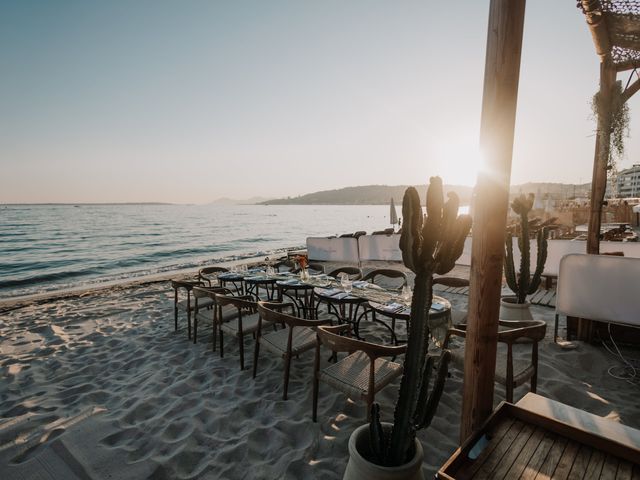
{"x": 45, "y": 248}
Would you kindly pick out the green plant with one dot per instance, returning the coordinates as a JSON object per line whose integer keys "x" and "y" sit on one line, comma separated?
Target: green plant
{"x": 524, "y": 284}
{"x": 617, "y": 122}
{"x": 429, "y": 245}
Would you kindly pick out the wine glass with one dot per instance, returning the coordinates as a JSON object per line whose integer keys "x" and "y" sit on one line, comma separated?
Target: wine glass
{"x": 347, "y": 284}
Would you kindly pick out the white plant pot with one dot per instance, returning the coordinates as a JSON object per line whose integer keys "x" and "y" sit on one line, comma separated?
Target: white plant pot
{"x": 359, "y": 468}
{"x": 511, "y": 310}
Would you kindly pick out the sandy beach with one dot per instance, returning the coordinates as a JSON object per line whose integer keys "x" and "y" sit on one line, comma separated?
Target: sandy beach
{"x": 98, "y": 385}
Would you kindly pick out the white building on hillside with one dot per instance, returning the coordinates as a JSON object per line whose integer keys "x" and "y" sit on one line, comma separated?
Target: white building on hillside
{"x": 628, "y": 184}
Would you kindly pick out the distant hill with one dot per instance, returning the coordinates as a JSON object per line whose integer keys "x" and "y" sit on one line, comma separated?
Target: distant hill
{"x": 365, "y": 195}
{"x": 382, "y": 194}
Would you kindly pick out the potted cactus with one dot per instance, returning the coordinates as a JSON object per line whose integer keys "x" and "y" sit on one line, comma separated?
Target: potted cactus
{"x": 430, "y": 245}
{"x": 523, "y": 283}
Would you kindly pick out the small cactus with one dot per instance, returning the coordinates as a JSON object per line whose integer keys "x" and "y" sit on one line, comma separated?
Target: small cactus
{"x": 524, "y": 284}
{"x": 429, "y": 245}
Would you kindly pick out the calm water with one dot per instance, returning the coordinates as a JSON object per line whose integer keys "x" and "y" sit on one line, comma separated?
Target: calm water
{"x": 50, "y": 247}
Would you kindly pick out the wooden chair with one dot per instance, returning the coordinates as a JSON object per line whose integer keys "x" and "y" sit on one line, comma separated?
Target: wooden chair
{"x": 245, "y": 321}
{"x": 362, "y": 373}
{"x": 298, "y": 336}
{"x": 509, "y": 371}
{"x": 185, "y": 304}
{"x": 387, "y": 277}
{"x": 210, "y": 312}
{"x": 354, "y": 272}
{"x": 209, "y": 275}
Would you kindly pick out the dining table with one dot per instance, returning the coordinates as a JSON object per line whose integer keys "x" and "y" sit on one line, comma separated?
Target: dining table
{"x": 364, "y": 301}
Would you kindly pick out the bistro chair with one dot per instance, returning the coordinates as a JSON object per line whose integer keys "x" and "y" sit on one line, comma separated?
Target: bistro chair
{"x": 387, "y": 278}
{"x": 514, "y": 335}
{"x": 297, "y": 337}
{"x": 362, "y": 373}
{"x": 354, "y": 273}
{"x": 186, "y": 304}
{"x": 209, "y": 275}
{"x": 245, "y": 322}
{"x": 212, "y": 312}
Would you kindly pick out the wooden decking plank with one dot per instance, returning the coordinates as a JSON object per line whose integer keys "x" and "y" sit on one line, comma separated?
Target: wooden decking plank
{"x": 496, "y": 438}
{"x": 609, "y": 468}
{"x": 548, "y": 297}
{"x": 579, "y": 468}
{"x": 566, "y": 461}
{"x": 525, "y": 455}
{"x": 594, "y": 469}
{"x": 498, "y": 469}
{"x": 536, "y": 296}
{"x": 552, "y": 459}
{"x": 625, "y": 470}
{"x": 536, "y": 461}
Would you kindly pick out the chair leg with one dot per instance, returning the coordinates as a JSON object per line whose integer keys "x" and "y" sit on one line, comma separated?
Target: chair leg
{"x": 509, "y": 394}
{"x": 195, "y": 328}
{"x": 256, "y": 352}
{"x": 287, "y": 367}
{"x": 316, "y": 369}
{"x": 221, "y": 344}
{"x": 555, "y": 330}
{"x": 175, "y": 310}
{"x": 241, "y": 346}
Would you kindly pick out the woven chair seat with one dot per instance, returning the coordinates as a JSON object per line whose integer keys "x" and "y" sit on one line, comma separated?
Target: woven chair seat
{"x": 249, "y": 324}
{"x": 228, "y": 312}
{"x": 203, "y": 302}
{"x": 304, "y": 338}
{"x": 351, "y": 374}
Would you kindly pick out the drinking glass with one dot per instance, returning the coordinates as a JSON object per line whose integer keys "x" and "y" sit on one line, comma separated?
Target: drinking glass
{"x": 406, "y": 294}
{"x": 270, "y": 271}
{"x": 347, "y": 285}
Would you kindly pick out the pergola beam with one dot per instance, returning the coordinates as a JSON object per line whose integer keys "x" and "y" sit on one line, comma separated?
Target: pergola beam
{"x": 627, "y": 65}
{"x": 630, "y": 90}
{"x": 499, "y": 99}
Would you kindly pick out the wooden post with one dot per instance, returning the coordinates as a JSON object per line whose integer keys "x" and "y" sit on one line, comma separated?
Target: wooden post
{"x": 502, "y": 72}
{"x": 601, "y": 156}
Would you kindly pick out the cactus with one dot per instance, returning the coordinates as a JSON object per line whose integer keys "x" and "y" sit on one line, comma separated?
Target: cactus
{"x": 429, "y": 245}
{"x": 524, "y": 284}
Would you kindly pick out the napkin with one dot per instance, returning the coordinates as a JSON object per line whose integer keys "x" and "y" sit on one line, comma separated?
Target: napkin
{"x": 393, "y": 307}
{"x": 438, "y": 307}
{"x": 360, "y": 284}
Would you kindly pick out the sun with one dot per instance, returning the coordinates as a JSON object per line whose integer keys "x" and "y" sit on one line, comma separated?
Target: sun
{"x": 459, "y": 160}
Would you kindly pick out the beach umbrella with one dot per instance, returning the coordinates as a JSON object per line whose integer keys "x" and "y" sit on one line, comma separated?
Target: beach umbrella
{"x": 393, "y": 216}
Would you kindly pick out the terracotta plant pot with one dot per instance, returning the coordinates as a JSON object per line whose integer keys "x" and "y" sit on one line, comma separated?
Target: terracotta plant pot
{"x": 510, "y": 309}
{"x": 359, "y": 468}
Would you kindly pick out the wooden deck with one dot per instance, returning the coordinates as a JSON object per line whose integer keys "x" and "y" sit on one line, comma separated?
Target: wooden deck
{"x": 542, "y": 297}
{"x": 543, "y": 439}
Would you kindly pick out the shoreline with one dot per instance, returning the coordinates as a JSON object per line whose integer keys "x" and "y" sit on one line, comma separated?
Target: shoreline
{"x": 12, "y": 303}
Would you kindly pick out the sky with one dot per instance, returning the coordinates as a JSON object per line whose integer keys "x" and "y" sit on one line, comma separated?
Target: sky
{"x": 191, "y": 101}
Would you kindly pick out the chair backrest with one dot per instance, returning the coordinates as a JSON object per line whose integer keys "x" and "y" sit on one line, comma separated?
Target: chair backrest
{"x": 331, "y": 338}
{"x": 451, "y": 281}
{"x": 272, "y": 312}
{"x": 317, "y": 267}
{"x": 209, "y": 274}
{"x": 354, "y": 273}
{"x": 516, "y": 329}
{"x": 210, "y": 292}
{"x": 245, "y": 302}
{"x": 387, "y": 277}
{"x": 599, "y": 287}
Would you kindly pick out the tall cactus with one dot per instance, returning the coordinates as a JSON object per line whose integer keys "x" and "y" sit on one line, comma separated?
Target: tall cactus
{"x": 524, "y": 284}
{"x": 429, "y": 245}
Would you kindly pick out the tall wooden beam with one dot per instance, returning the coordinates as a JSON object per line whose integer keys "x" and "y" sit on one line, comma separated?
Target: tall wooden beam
{"x": 630, "y": 90}
{"x": 601, "y": 156}
{"x": 501, "y": 77}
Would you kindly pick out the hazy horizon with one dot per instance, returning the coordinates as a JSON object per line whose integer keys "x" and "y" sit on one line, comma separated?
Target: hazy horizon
{"x": 188, "y": 102}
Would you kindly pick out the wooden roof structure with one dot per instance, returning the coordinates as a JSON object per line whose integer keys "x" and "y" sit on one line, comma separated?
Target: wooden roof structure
{"x": 615, "y": 27}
